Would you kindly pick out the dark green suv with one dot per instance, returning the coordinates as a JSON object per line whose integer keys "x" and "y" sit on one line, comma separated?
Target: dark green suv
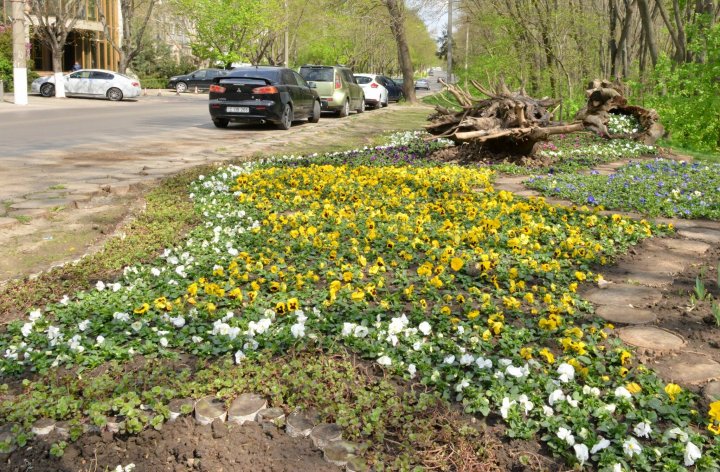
{"x": 338, "y": 90}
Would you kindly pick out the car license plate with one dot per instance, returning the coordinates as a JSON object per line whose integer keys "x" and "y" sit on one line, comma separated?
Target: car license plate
{"x": 238, "y": 109}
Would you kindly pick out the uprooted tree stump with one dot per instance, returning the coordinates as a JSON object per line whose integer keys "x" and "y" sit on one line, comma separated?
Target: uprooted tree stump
{"x": 512, "y": 123}
{"x": 606, "y": 98}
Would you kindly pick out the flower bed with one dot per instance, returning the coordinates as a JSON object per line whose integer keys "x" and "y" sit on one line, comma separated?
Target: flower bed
{"x": 657, "y": 188}
{"x": 425, "y": 269}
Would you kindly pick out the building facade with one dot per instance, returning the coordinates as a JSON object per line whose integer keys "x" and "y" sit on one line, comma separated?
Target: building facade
{"x": 86, "y": 44}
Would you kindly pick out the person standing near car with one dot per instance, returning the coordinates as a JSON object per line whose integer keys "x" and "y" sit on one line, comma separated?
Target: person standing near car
{"x": 76, "y": 66}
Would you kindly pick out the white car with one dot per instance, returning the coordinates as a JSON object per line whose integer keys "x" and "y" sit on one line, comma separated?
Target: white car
{"x": 90, "y": 83}
{"x": 376, "y": 95}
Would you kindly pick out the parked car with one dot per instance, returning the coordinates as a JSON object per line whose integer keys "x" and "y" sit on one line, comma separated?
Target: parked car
{"x": 379, "y": 90}
{"x": 263, "y": 94}
{"x": 90, "y": 83}
{"x": 422, "y": 84}
{"x": 201, "y": 78}
{"x": 338, "y": 90}
{"x": 395, "y": 91}
{"x": 376, "y": 95}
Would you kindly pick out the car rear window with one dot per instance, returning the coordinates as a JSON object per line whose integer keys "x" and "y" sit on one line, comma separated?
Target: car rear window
{"x": 273, "y": 75}
{"x": 362, "y": 79}
{"x": 317, "y": 74}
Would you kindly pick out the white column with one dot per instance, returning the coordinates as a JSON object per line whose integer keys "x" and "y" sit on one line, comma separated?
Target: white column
{"x": 19, "y": 53}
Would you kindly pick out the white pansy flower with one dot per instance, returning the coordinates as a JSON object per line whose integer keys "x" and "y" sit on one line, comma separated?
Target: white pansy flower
{"x": 642, "y": 430}
{"x": 384, "y": 360}
{"x": 196, "y": 339}
{"x": 505, "y": 407}
{"x": 425, "y": 328}
{"x": 347, "y": 329}
{"x": 449, "y": 359}
{"x": 631, "y": 447}
{"x": 100, "y": 285}
{"x": 155, "y": 271}
{"x": 361, "y": 331}
{"x": 83, "y": 325}
{"x": 239, "y": 356}
{"x": 525, "y": 402}
{"x": 178, "y": 321}
{"x": 581, "y": 453}
{"x": 27, "y": 329}
{"x": 571, "y": 401}
{"x": 163, "y": 342}
{"x": 412, "y": 370}
{"x": 100, "y": 340}
{"x": 556, "y": 396}
{"x": 692, "y": 453}
{"x": 121, "y": 316}
{"x": 464, "y": 383}
{"x": 513, "y": 371}
{"x": 566, "y": 371}
{"x": 677, "y": 433}
{"x": 548, "y": 411}
{"x": 600, "y": 445}
{"x": 467, "y": 359}
{"x": 298, "y": 330}
{"x": 566, "y": 435}
{"x": 483, "y": 363}
{"x": 617, "y": 468}
{"x": 594, "y": 391}
{"x": 65, "y": 300}
{"x": 622, "y": 392}
{"x": 35, "y": 315}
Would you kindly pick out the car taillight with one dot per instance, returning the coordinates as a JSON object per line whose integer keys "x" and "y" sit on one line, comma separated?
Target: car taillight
{"x": 265, "y": 90}
{"x": 337, "y": 83}
{"x": 217, "y": 89}
{"x": 136, "y": 84}
{"x": 374, "y": 85}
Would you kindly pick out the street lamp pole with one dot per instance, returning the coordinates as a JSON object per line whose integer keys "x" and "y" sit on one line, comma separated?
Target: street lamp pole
{"x": 449, "y": 42}
{"x": 19, "y": 53}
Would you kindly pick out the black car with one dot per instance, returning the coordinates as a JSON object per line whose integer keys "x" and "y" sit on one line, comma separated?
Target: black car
{"x": 202, "y": 79}
{"x": 260, "y": 94}
{"x": 394, "y": 89}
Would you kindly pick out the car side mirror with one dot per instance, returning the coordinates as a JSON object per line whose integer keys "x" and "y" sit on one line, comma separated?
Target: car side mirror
{"x": 312, "y": 85}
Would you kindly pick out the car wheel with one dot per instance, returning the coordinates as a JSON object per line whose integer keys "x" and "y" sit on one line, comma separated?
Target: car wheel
{"x": 387, "y": 101}
{"x": 362, "y": 105}
{"x": 221, "y": 122}
{"x": 114, "y": 94}
{"x": 287, "y": 117}
{"x": 181, "y": 87}
{"x": 47, "y": 90}
{"x": 345, "y": 110}
{"x": 379, "y": 104}
{"x": 315, "y": 117}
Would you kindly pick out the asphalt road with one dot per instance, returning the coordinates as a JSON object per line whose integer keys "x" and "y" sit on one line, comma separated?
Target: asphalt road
{"x": 49, "y": 126}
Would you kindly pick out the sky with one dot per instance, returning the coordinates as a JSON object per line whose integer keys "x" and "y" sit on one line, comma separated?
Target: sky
{"x": 434, "y": 14}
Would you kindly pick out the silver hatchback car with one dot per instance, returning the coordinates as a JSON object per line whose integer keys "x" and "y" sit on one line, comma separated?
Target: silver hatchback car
{"x": 90, "y": 83}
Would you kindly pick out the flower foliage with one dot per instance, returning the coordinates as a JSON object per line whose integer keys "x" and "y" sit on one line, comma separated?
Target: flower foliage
{"x": 428, "y": 270}
{"x": 659, "y": 187}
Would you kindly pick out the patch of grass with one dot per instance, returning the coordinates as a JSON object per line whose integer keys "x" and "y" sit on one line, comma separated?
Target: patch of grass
{"x": 24, "y": 219}
{"x": 444, "y": 99}
{"x": 705, "y": 157}
{"x": 57, "y": 187}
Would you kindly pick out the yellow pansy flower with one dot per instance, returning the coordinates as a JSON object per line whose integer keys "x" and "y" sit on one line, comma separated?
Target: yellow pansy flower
{"x": 633, "y": 388}
{"x": 456, "y": 263}
{"x": 672, "y": 390}
{"x": 142, "y": 309}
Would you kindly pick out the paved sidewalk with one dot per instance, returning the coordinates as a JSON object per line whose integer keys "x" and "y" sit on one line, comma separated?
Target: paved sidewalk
{"x": 37, "y": 102}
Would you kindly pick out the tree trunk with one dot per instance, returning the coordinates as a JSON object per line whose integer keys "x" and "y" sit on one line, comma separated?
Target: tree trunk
{"x": 613, "y": 44}
{"x": 57, "y": 56}
{"x": 648, "y": 30}
{"x": 397, "y": 25}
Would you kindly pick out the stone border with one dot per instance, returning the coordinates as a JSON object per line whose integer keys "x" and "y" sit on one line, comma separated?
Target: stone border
{"x": 212, "y": 411}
